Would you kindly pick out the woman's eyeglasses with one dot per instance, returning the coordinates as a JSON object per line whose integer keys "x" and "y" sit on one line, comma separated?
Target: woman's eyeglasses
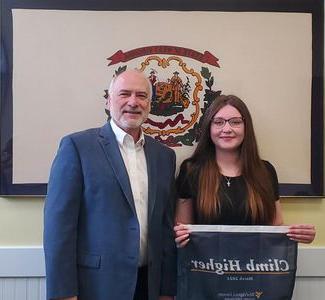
{"x": 233, "y": 122}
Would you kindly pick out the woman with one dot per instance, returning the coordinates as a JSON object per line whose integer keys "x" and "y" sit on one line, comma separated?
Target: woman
{"x": 225, "y": 181}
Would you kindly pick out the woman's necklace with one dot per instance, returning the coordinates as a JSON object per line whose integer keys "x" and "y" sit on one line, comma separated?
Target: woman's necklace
{"x": 228, "y": 179}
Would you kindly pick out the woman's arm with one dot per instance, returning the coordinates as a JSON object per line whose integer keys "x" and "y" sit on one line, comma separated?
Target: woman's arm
{"x": 184, "y": 215}
{"x": 184, "y": 211}
{"x": 278, "y": 219}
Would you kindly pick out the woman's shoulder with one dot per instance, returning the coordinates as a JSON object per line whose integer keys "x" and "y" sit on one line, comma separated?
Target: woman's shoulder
{"x": 269, "y": 166}
{"x": 272, "y": 171}
{"x": 187, "y": 170}
{"x": 186, "y": 165}
{"x": 274, "y": 178}
{"x": 190, "y": 166}
{"x": 185, "y": 180}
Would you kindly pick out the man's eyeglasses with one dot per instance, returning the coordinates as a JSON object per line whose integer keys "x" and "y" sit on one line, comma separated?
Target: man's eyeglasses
{"x": 235, "y": 122}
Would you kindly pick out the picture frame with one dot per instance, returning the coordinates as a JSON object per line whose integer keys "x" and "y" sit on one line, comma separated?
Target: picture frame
{"x": 311, "y": 188}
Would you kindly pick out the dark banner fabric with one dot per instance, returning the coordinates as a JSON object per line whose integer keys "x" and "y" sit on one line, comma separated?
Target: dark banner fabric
{"x": 237, "y": 263}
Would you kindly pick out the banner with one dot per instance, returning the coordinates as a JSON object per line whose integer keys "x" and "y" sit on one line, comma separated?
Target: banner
{"x": 237, "y": 263}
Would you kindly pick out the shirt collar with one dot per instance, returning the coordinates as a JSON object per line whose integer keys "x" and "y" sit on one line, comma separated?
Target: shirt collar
{"x": 121, "y": 135}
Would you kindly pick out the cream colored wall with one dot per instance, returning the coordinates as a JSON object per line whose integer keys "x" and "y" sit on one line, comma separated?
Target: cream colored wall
{"x": 302, "y": 210}
{"x": 21, "y": 219}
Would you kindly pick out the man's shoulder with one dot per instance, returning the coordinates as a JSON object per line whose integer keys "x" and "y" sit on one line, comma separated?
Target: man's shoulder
{"x": 158, "y": 145}
{"x": 83, "y": 134}
{"x": 80, "y": 138}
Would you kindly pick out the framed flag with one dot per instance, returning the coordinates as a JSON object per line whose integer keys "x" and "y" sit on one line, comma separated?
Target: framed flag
{"x": 57, "y": 58}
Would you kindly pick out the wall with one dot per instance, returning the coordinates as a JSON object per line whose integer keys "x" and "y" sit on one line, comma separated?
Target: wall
{"x": 21, "y": 226}
{"x": 21, "y": 219}
{"x": 306, "y": 210}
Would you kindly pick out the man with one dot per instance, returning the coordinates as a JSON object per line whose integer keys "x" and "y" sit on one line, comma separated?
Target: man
{"x": 109, "y": 209}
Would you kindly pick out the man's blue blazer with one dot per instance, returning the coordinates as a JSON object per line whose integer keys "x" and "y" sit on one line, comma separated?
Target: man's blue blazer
{"x": 91, "y": 231}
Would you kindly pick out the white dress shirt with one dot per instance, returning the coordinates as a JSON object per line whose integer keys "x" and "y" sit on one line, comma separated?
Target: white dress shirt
{"x": 136, "y": 166}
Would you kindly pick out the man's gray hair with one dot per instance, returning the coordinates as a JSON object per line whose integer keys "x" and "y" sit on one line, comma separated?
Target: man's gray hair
{"x": 111, "y": 85}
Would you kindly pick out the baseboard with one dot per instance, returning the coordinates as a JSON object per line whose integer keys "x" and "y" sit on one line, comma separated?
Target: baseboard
{"x": 311, "y": 262}
{"x": 22, "y": 262}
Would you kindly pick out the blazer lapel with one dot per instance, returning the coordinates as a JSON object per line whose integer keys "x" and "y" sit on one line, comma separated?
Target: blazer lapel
{"x": 152, "y": 176}
{"x": 110, "y": 146}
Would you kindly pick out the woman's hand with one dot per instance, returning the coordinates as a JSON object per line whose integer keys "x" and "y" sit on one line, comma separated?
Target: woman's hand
{"x": 182, "y": 235}
{"x": 302, "y": 233}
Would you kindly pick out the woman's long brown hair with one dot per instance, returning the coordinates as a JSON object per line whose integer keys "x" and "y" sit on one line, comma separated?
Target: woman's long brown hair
{"x": 260, "y": 202}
